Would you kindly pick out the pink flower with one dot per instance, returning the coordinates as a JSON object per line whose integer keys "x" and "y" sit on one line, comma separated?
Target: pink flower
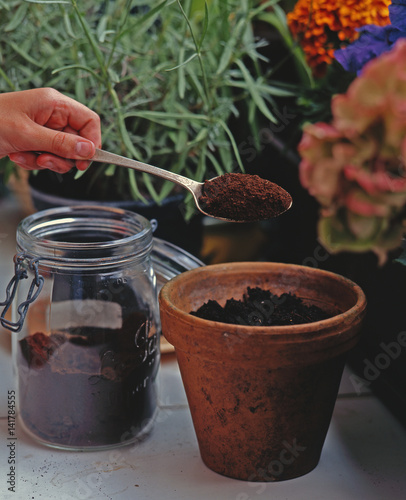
{"x": 355, "y": 166}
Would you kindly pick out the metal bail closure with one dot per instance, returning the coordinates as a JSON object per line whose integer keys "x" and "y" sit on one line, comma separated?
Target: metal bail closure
{"x": 33, "y": 292}
{"x": 154, "y": 225}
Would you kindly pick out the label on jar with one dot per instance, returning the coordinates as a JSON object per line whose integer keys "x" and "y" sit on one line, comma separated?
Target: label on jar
{"x": 87, "y": 312}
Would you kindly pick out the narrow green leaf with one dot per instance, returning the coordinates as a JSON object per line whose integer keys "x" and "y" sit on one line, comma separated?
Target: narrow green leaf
{"x": 201, "y": 166}
{"x": 46, "y": 1}
{"x": 68, "y": 25}
{"x": 101, "y": 28}
{"x": 80, "y": 91}
{"x": 217, "y": 167}
{"x": 110, "y": 170}
{"x": 17, "y": 18}
{"x": 79, "y": 173}
{"x": 228, "y": 52}
{"x": 113, "y": 75}
{"x": 193, "y": 56}
{"x": 24, "y": 54}
{"x": 143, "y": 23}
{"x": 148, "y": 181}
{"x": 77, "y": 66}
{"x": 195, "y": 82}
{"x": 179, "y": 139}
{"x": 402, "y": 258}
{"x": 5, "y": 77}
{"x": 277, "y": 19}
{"x": 167, "y": 115}
{"x": 233, "y": 144}
{"x": 134, "y": 186}
{"x": 90, "y": 37}
{"x": 265, "y": 88}
{"x": 205, "y": 26}
{"x": 251, "y": 87}
{"x": 165, "y": 190}
{"x": 201, "y": 136}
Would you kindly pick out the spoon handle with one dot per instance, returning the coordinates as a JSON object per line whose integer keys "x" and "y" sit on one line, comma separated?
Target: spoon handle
{"x": 107, "y": 157}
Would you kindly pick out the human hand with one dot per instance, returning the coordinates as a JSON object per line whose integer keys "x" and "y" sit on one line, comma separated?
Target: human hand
{"x": 63, "y": 130}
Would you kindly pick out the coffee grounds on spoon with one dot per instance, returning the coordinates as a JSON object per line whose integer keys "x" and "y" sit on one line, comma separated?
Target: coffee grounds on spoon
{"x": 243, "y": 197}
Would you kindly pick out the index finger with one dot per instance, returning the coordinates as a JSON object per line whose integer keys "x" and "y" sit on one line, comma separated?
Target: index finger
{"x": 70, "y": 113}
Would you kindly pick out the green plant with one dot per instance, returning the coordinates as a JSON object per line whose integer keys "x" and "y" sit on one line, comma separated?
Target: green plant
{"x": 166, "y": 77}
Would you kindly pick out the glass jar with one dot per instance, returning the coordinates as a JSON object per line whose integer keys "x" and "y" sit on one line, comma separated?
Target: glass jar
{"x": 87, "y": 354}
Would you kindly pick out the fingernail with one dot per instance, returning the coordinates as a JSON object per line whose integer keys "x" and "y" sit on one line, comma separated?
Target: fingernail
{"x": 84, "y": 149}
{"x": 47, "y": 164}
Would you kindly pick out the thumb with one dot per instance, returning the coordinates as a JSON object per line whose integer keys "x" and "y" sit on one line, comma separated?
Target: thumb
{"x": 63, "y": 144}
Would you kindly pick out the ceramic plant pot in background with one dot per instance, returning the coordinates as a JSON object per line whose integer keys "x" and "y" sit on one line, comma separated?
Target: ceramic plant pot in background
{"x": 261, "y": 398}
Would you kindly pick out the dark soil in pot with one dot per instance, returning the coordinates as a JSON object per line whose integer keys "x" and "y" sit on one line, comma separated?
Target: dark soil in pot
{"x": 260, "y": 307}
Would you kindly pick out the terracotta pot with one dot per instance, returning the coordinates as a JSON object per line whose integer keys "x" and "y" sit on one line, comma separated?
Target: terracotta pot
{"x": 261, "y": 398}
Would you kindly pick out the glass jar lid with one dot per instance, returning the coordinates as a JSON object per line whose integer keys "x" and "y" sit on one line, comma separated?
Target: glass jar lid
{"x": 169, "y": 260}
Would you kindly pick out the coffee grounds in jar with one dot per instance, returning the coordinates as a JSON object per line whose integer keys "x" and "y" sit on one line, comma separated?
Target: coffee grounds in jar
{"x": 243, "y": 197}
{"x": 260, "y": 307}
{"x": 89, "y": 387}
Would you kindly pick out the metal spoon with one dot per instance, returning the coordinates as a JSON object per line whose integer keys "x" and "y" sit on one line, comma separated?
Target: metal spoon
{"x": 194, "y": 187}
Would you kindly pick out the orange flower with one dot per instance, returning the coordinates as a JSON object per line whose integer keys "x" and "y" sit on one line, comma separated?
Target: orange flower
{"x": 322, "y": 25}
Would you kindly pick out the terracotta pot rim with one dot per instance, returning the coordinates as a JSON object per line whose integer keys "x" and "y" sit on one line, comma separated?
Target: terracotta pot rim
{"x": 285, "y": 332}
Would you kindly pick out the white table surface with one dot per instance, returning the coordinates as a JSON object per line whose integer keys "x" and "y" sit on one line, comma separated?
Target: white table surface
{"x": 364, "y": 456}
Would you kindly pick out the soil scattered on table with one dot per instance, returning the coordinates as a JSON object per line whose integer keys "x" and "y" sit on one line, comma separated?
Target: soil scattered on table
{"x": 243, "y": 197}
{"x": 260, "y": 307}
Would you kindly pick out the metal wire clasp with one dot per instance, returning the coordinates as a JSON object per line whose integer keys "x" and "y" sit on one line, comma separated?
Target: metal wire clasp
{"x": 35, "y": 289}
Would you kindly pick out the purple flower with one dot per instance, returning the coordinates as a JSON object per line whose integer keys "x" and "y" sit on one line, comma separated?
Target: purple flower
{"x": 374, "y": 40}
{"x": 397, "y": 14}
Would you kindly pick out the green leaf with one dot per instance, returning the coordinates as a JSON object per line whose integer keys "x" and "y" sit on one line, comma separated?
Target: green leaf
{"x": 253, "y": 90}
{"x": 24, "y": 54}
{"x": 110, "y": 170}
{"x": 205, "y": 26}
{"x": 195, "y": 82}
{"x": 165, "y": 190}
{"x": 101, "y": 28}
{"x": 167, "y": 117}
{"x": 113, "y": 75}
{"x": 47, "y": 1}
{"x": 148, "y": 181}
{"x": 215, "y": 163}
{"x": 143, "y": 23}
{"x": 264, "y": 6}
{"x": 79, "y": 173}
{"x": 233, "y": 144}
{"x": 277, "y": 19}
{"x": 7, "y": 79}
{"x": 183, "y": 63}
{"x": 134, "y": 187}
{"x": 77, "y": 66}
{"x": 402, "y": 258}
{"x": 80, "y": 91}
{"x": 229, "y": 48}
{"x": 68, "y": 25}
{"x": 201, "y": 136}
{"x": 17, "y": 18}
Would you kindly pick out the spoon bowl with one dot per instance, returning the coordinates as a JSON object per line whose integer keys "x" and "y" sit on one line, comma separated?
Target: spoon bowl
{"x": 194, "y": 187}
